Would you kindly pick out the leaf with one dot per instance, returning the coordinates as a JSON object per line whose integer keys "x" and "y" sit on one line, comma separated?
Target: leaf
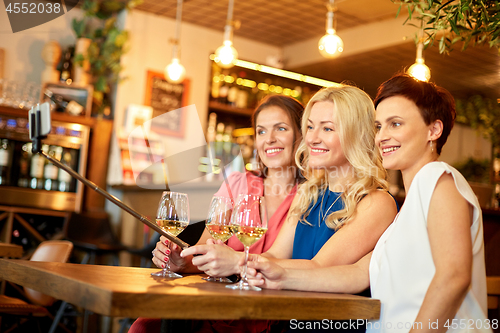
{"x": 78, "y": 27}
{"x": 101, "y": 84}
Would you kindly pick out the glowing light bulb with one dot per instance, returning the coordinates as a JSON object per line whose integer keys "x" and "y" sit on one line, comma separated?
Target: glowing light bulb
{"x": 226, "y": 55}
{"x": 175, "y": 72}
{"x": 419, "y": 70}
{"x": 330, "y": 45}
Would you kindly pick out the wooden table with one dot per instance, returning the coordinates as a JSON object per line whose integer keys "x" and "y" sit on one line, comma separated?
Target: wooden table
{"x": 11, "y": 250}
{"x": 132, "y": 292}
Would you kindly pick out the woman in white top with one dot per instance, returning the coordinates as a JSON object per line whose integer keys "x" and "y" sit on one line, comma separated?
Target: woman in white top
{"x": 428, "y": 268}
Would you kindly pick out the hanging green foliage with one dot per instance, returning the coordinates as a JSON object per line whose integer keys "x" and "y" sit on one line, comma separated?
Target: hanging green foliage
{"x": 453, "y": 21}
{"x": 108, "y": 44}
{"x": 482, "y": 114}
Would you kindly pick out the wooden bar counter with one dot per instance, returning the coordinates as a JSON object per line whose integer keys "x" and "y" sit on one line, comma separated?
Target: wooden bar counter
{"x": 132, "y": 292}
{"x": 11, "y": 250}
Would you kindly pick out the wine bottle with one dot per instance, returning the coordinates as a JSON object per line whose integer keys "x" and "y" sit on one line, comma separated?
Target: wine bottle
{"x": 223, "y": 91}
{"x": 24, "y": 165}
{"x": 5, "y": 153}
{"x": 50, "y": 172}
{"x": 37, "y": 169}
{"x": 64, "y": 178}
{"x": 63, "y": 104}
{"x": 67, "y": 67}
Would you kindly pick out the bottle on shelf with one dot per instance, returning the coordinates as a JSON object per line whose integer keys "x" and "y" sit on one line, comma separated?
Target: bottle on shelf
{"x": 232, "y": 92}
{"x": 227, "y": 144}
{"x": 5, "y": 161}
{"x": 63, "y": 104}
{"x": 210, "y": 151}
{"x": 24, "y": 165}
{"x": 218, "y": 145}
{"x": 50, "y": 171}
{"x": 223, "y": 92}
{"x": 67, "y": 66}
{"x": 37, "y": 169}
{"x": 65, "y": 180}
{"x": 496, "y": 197}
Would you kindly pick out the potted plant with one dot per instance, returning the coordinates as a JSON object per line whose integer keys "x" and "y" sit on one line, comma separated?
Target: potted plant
{"x": 105, "y": 44}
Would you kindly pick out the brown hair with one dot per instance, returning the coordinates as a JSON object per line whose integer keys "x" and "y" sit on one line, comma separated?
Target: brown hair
{"x": 293, "y": 108}
{"x": 433, "y": 102}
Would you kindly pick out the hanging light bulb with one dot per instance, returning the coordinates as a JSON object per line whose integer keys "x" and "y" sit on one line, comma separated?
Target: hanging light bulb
{"x": 419, "y": 69}
{"x": 330, "y": 45}
{"x": 226, "y": 55}
{"x": 175, "y": 72}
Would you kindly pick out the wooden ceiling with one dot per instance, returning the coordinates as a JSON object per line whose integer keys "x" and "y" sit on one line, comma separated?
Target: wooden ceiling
{"x": 285, "y": 22}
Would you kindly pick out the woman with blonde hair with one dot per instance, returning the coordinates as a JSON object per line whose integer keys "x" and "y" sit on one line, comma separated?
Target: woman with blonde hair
{"x": 343, "y": 206}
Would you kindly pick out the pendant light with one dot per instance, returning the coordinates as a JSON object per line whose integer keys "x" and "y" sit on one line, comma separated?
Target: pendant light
{"x": 175, "y": 72}
{"x": 226, "y": 55}
{"x": 419, "y": 70}
{"x": 330, "y": 45}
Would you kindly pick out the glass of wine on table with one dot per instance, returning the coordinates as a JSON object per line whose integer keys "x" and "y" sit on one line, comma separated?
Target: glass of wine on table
{"x": 219, "y": 226}
{"x": 172, "y": 217}
{"x": 249, "y": 221}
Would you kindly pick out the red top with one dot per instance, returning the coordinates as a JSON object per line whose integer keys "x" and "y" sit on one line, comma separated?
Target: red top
{"x": 248, "y": 183}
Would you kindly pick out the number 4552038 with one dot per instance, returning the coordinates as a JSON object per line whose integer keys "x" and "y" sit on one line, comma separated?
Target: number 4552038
{"x": 33, "y": 8}
{"x": 471, "y": 324}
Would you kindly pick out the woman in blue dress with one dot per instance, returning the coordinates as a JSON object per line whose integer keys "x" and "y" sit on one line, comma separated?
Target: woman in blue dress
{"x": 343, "y": 207}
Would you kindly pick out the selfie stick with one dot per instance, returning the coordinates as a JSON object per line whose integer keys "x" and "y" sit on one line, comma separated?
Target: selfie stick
{"x": 39, "y": 125}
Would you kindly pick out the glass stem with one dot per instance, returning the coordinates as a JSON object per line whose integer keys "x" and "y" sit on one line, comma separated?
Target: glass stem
{"x": 244, "y": 277}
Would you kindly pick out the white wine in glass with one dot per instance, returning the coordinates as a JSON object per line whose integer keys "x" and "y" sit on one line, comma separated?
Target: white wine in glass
{"x": 249, "y": 221}
{"x": 219, "y": 225}
{"x": 173, "y": 217}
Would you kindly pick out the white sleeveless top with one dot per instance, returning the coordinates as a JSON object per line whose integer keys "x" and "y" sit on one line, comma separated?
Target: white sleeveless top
{"x": 401, "y": 267}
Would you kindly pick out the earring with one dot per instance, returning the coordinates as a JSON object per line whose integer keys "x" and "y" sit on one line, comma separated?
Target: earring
{"x": 432, "y": 147}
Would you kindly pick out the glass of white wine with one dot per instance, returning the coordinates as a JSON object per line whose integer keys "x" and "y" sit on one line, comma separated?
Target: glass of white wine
{"x": 219, "y": 225}
{"x": 249, "y": 221}
{"x": 173, "y": 217}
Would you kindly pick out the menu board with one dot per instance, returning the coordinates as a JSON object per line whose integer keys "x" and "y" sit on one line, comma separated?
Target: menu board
{"x": 166, "y": 99}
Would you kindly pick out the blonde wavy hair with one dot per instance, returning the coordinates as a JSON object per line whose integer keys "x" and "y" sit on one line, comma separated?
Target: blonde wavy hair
{"x": 355, "y": 121}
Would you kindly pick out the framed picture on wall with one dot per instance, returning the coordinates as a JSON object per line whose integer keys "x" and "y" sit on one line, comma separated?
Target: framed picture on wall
{"x": 73, "y": 100}
{"x": 166, "y": 99}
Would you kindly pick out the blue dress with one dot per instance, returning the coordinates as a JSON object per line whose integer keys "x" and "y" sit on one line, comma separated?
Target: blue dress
{"x": 309, "y": 239}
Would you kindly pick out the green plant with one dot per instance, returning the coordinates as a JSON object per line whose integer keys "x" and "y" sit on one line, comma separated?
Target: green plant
{"x": 482, "y": 114}
{"x": 452, "y": 21}
{"x": 473, "y": 170}
{"x": 108, "y": 41}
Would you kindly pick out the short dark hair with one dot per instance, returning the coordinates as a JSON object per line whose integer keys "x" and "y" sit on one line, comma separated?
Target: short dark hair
{"x": 433, "y": 102}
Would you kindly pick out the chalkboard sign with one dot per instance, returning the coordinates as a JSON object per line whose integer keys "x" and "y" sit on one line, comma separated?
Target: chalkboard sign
{"x": 166, "y": 99}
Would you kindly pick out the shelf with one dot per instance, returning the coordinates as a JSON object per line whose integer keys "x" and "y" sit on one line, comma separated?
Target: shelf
{"x": 187, "y": 186}
{"x": 229, "y": 109}
{"x": 6, "y": 110}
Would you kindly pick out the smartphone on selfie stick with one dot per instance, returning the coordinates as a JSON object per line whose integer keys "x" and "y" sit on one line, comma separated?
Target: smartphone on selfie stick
{"x": 39, "y": 128}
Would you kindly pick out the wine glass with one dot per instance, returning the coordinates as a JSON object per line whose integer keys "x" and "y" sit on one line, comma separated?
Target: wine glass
{"x": 249, "y": 220}
{"x": 219, "y": 226}
{"x": 172, "y": 217}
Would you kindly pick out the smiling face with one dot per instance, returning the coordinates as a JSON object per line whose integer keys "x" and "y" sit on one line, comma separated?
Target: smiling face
{"x": 402, "y": 135}
{"x": 274, "y": 138}
{"x": 323, "y": 138}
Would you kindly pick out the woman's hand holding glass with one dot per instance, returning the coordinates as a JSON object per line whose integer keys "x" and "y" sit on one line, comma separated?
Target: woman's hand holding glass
{"x": 168, "y": 252}
{"x": 262, "y": 272}
{"x": 249, "y": 220}
{"x": 218, "y": 224}
{"x": 173, "y": 217}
